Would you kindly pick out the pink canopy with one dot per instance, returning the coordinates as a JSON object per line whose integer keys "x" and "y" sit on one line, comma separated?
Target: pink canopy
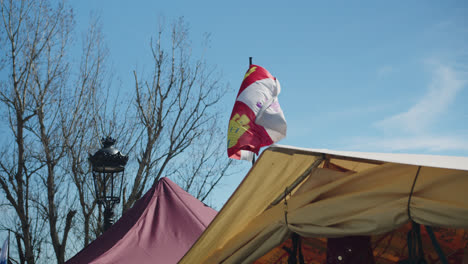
{"x": 160, "y": 228}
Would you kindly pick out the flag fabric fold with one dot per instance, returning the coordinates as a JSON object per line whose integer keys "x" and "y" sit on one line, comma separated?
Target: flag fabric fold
{"x": 4, "y": 251}
{"x": 256, "y": 119}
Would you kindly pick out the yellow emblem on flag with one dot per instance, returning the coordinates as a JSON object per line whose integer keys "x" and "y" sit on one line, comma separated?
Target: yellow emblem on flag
{"x": 250, "y": 72}
{"x": 237, "y": 127}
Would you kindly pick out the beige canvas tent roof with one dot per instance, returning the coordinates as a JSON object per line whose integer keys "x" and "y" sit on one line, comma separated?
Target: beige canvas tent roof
{"x": 294, "y": 190}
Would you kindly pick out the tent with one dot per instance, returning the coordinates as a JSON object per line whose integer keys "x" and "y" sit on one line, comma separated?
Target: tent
{"x": 319, "y": 194}
{"x": 159, "y": 228}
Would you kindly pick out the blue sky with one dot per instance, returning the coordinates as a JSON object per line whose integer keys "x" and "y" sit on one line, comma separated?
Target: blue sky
{"x": 377, "y": 76}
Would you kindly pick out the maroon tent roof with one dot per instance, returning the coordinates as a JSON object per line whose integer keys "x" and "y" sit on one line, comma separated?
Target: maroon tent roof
{"x": 160, "y": 228}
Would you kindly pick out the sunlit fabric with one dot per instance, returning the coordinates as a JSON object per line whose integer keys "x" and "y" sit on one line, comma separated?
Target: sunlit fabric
{"x": 257, "y": 119}
{"x": 159, "y": 228}
{"x": 348, "y": 194}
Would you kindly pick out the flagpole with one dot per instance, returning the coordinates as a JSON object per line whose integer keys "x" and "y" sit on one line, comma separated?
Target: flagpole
{"x": 8, "y": 258}
{"x": 253, "y": 157}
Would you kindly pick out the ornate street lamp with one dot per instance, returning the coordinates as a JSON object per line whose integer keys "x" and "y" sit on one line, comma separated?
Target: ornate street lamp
{"x": 108, "y": 168}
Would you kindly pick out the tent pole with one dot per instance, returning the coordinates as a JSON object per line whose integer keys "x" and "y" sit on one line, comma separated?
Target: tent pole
{"x": 298, "y": 180}
{"x": 8, "y": 258}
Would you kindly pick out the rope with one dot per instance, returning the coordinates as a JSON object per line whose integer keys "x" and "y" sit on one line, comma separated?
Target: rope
{"x": 411, "y": 193}
{"x": 286, "y": 207}
{"x": 415, "y": 249}
{"x": 436, "y": 245}
{"x": 295, "y": 253}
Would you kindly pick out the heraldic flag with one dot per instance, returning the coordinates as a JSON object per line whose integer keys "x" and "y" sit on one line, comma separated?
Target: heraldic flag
{"x": 257, "y": 119}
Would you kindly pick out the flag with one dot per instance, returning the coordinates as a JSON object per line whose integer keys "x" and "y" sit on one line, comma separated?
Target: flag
{"x": 4, "y": 252}
{"x": 257, "y": 119}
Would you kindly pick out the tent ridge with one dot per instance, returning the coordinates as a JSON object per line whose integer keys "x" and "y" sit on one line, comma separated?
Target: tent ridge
{"x": 186, "y": 206}
{"x": 425, "y": 160}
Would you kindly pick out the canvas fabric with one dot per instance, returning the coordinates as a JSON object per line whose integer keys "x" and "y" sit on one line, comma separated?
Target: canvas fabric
{"x": 372, "y": 199}
{"x": 159, "y": 228}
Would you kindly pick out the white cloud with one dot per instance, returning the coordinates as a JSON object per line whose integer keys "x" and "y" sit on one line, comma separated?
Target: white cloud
{"x": 428, "y": 143}
{"x": 413, "y": 129}
{"x": 441, "y": 93}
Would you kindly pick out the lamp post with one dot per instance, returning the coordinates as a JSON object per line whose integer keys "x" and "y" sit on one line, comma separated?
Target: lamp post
{"x": 108, "y": 169}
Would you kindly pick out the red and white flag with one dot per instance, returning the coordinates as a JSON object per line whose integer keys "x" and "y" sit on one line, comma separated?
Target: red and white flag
{"x": 257, "y": 119}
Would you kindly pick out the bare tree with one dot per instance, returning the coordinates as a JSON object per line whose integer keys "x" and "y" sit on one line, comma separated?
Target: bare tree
{"x": 54, "y": 120}
{"x": 50, "y": 74}
{"x": 175, "y": 107}
{"x": 208, "y": 164}
{"x": 92, "y": 113}
{"x": 38, "y": 35}
{"x": 80, "y": 117}
{"x": 27, "y": 33}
